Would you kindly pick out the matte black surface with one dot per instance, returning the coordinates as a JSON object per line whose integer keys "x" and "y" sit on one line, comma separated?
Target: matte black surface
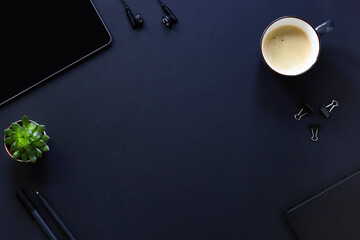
{"x": 44, "y": 37}
{"x": 332, "y": 214}
{"x": 185, "y": 133}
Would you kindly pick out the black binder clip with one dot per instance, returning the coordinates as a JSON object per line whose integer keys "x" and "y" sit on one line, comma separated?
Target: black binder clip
{"x": 305, "y": 110}
{"x": 326, "y": 110}
{"x": 314, "y": 128}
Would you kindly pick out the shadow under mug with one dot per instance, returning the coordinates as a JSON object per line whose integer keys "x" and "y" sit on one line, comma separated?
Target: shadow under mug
{"x": 313, "y": 34}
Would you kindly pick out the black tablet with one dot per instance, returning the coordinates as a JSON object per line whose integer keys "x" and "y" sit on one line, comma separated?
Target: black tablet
{"x": 44, "y": 38}
{"x": 333, "y": 214}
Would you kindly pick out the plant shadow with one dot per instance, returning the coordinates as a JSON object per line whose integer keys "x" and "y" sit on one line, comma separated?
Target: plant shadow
{"x": 28, "y": 175}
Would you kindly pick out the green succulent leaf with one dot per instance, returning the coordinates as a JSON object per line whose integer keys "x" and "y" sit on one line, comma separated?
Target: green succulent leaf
{"x": 9, "y": 141}
{"x": 36, "y": 136}
{"x": 24, "y": 156}
{"x": 8, "y": 131}
{"x": 45, "y": 148}
{"x": 38, "y": 153}
{"x": 39, "y": 143}
{"x": 14, "y": 135}
{"x": 40, "y": 128}
{"x": 33, "y": 159}
{"x": 32, "y": 125}
{"x": 25, "y": 121}
{"x": 24, "y": 142}
{"x": 15, "y": 127}
{"x": 14, "y": 146}
{"x": 21, "y": 147}
{"x": 45, "y": 138}
{"x": 16, "y": 154}
{"x": 31, "y": 152}
{"x": 23, "y": 130}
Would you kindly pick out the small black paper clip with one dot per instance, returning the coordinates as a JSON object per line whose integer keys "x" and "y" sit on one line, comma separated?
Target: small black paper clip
{"x": 305, "y": 109}
{"x": 326, "y": 110}
{"x": 314, "y": 128}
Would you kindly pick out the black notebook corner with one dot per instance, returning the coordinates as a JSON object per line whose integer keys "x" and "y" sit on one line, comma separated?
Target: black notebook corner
{"x": 333, "y": 214}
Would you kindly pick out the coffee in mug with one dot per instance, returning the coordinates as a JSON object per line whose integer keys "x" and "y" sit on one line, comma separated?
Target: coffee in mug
{"x": 290, "y": 45}
{"x": 287, "y": 48}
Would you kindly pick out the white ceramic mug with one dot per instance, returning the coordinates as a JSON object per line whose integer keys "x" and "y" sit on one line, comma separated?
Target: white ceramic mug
{"x": 312, "y": 33}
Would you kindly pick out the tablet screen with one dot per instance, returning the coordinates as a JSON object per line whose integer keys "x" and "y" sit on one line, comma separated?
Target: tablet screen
{"x": 45, "y": 37}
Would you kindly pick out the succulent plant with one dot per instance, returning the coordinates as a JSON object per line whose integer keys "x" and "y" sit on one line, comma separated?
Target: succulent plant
{"x": 26, "y": 140}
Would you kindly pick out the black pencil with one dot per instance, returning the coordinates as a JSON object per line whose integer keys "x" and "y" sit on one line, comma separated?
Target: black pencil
{"x": 56, "y": 217}
{"x": 30, "y": 207}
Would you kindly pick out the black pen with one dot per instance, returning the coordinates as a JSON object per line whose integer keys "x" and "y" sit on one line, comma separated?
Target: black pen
{"x": 30, "y": 207}
{"x": 55, "y": 216}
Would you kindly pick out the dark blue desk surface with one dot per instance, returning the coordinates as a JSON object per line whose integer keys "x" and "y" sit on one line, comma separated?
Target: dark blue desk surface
{"x": 185, "y": 134}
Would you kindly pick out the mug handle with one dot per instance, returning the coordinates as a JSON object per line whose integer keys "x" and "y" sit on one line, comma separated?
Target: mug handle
{"x": 325, "y": 27}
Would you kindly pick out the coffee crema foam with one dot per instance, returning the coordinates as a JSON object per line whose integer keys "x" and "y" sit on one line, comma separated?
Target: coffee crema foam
{"x": 287, "y": 48}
